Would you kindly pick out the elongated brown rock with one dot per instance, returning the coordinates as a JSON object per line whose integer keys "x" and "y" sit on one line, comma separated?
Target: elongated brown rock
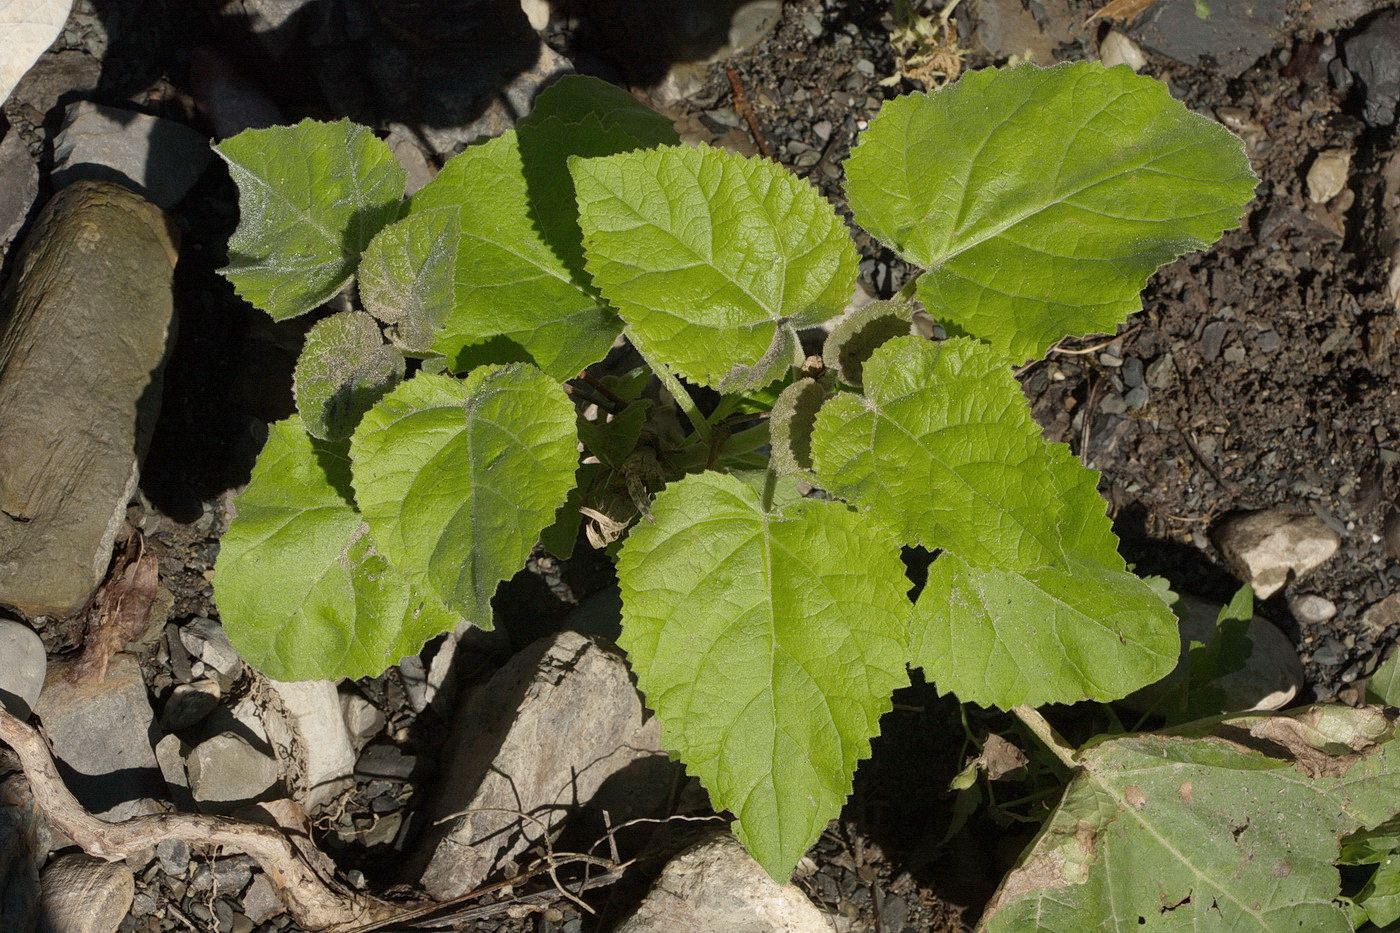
{"x": 84, "y": 324}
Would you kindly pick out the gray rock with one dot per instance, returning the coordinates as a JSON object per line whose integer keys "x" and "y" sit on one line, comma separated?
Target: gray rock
{"x": 1373, "y": 55}
{"x": 23, "y": 663}
{"x": 24, "y": 844}
{"x": 260, "y": 901}
{"x": 1271, "y": 676}
{"x": 413, "y": 159}
{"x": 83, "y": 894}
{"x": 716, "y": 887}
{"x": 1311, "y": 609}
{"x": 55, "y": 76}
{"x": 157, "y": 158}
{"x": 205, "y": 639}
{"x": 1265, "y": 549}
{"x": 170, "y": 756}
{"x": 189, "y": 704}
{"x": 84, "y": 324}
{"x": 542, "y": 735}
{"x": 1235, "y": 35}
{"x": 225, "y": 773}
{"x": 312, "y": 741}
{"x": 19, "y": 186}
{"x": 1117, "y": 49}
{"x": 1381, "y": 617}
{"x": 101, "y": 735}
{"x": 363, "y": 720}
{"x": 174, "y": 856}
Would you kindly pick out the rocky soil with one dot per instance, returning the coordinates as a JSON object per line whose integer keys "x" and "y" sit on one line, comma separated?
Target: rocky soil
{"x": 1246, "y": 424}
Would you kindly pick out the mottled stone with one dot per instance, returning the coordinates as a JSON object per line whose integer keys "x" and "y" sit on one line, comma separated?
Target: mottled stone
{"x": 716, "y": 887}
{"x": 82, "y": 894}
{"x": 84, "y": 324}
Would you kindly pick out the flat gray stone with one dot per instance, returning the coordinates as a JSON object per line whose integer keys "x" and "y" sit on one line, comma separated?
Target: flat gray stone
{"x": 23, "y": 663}
{"x": 312, "y": 740}
{"x": 716, "y": 887}
{"x": 84, "y": 324}
{"x": 1373, "y": 55}
{"x": 1235, "y": 35}
{"x": 226, "y": 773}
{"x": 101, "y": 735}
{"x": 363, "y": 720}
{"x": 158, "y": 158}
{"x": 19, "y": 186}
{"x": 1265, "y": 549}
{"x": 82, "y": 894}
{"x": 54, "y": 77}
{"x": 541, "y": 736}
{"x": 206, "y": 640}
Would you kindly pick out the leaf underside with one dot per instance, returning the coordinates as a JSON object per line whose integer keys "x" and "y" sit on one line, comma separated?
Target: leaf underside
{"x": 1197, "y": 832}
{"x": 768, "y": 644}
{"x": 303, "y": 590}
{"x": 1041, "y": 199}
{"x": 1030, "y": 603}
{"x": 713, "y": 260}
{"x": 459, "y": 477}
{"x": 310, "y": 199}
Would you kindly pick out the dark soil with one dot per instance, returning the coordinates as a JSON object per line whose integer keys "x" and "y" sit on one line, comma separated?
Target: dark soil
{"x": 1265, "y": 366}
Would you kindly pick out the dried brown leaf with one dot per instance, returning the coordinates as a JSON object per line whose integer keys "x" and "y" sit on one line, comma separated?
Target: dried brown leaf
{"x": 1119, "y": 11}
{"x": 121, "y": 610}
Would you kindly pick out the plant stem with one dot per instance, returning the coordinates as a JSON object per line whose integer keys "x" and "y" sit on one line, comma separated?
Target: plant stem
{"x": 1047, "y": 735}
{"x": 678, "y": 392}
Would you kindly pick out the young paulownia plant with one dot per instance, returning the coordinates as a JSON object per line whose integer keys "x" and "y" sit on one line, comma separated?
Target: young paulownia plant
{"x": 435, "y": 445}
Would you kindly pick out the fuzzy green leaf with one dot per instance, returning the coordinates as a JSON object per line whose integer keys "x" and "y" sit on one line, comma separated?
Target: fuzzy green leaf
{"x": 344, "y": 368}
{"x": 768, "y": 644}
{"x": 458, "y": 478}
{"x": 1235, "y": 830}
{"x": 407, "y": 277}
{"x": 303, "y": 591}
{"x": 1031, "y": 603}
{"x": 579, "y": 116}
{"x": 1041, "y": 199}
{"x": 521, "y": 291}
{"x": 310, "y": 199}
{"x": 713, "y": 260}
{"x": 790, "y": 426}
{"x": 861, "y": 333}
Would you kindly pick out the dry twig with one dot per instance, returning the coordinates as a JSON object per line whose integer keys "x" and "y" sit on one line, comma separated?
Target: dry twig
{"x": 311, "y": 895}
{"x": 741, "y": 104}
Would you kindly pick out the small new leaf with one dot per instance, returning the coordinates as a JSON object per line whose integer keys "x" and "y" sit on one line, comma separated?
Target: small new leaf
{"x": 303, "y": 590}
{"x": 344, "y": 368}
{"x": 713, "y": 260}
{"x": 310, "y": 199}
{"x": 460, "y": 477}
{"x": 768, "y": 643}
{"x": 407, "y": 277}
{"x": 1041, "y": 199}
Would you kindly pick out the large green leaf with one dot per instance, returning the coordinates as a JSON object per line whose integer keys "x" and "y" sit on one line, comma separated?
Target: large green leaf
{"x": 457, "y": 478}
{"x": 579, "y": 116}
{"x": 344, "y": 368}
{"x": 1048, "y": 634}
{"x": 1233, "y": 830}
{"x": 310, "y": 199}
{"x": 302, "y": 588}
{"x": 1030, "y": 603}
{"x": 713, "y": 260}
{"x": 521, "y": 291}
{"x": 1041, "y": 199}
{"x": 768, "y": 643}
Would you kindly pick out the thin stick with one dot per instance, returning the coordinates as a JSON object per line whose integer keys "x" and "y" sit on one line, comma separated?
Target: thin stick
{"x": 1047, "y": 734}
{"x": 1082, "y": 351}
{"x": 314, "y": 901}
{"x": 745, "y": 109}
{"x": 616, "y": 399}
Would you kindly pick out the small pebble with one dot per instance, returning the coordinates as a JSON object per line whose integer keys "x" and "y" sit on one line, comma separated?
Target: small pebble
{"x": 1212, "y": 339}
{"x": 813, "y": 24}
{"x": 1136, "y": 397}
{"x": 1234, "y": 354}
{"x": 1328, "y": 175}
{"x": 1132, "y": 372}
{"x": 1268, "y": 341}
{"x": 1312, "y": 609}
{"x": 1330, "y": 652}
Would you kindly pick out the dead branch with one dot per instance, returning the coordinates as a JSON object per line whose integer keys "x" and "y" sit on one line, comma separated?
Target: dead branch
{"x": 313, "y": 898}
